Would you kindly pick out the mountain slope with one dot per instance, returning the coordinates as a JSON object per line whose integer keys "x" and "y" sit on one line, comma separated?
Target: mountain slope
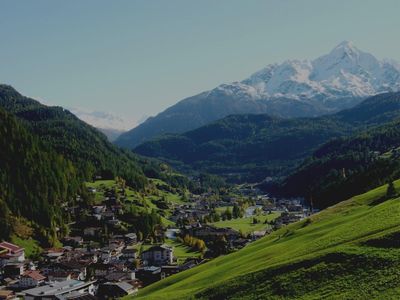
{"x": 295, "y": 88}
{"x": 347, "y": 166}
{"x": 34, "y": 180}
{"x": 347, "y": 239}
{"x": 75, "y": 140}
{"x": 256, "y": 146}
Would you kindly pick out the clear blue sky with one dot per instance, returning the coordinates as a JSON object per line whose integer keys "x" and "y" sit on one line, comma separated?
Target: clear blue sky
{"x": 136, "y": 58}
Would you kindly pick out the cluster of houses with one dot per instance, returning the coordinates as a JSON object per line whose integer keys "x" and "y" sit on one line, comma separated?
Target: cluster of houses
{"x": 85, "y": 273}
{"x": 90, "y": 266}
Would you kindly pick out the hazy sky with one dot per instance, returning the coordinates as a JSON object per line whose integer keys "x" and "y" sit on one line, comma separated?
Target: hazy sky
{"x": 136, "y": 58}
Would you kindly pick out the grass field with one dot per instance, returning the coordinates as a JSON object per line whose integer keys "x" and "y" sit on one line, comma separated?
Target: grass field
{"x": 246, "y": 224}
{"x": 32, "y": 248}
{"x": 100, "y": 186}
{"x": 181, "y": 252}
{"x": 348, "y": 251}
{"x": 103, "y": 185}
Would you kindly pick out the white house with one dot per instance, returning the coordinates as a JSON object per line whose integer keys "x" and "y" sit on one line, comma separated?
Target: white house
{"x": 31, "y": 279}
{"x": 158, "y": 255}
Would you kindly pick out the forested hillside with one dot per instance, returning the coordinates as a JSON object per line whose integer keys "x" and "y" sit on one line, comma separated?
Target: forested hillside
{"x": 46, "y": 156}
{"x": 34, "y": 180}
{"x": 347, "y": 166}
{"x": 252, "y": 147}
{"x": 84, "y": 145}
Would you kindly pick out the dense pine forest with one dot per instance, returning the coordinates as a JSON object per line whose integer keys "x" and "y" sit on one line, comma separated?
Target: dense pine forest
{"x": 252, "y": 147}
{"x": 85, "y": 146}
{"x": 35, "y": 181}
{"x": 348, "y": 166}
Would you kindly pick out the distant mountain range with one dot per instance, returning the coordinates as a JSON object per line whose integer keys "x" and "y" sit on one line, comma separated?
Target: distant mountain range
{"x": 63, "y": 132}
{"x": 294, "y": 88}
{"x": 252, "y": 147}
{"x": 108, "y": 123}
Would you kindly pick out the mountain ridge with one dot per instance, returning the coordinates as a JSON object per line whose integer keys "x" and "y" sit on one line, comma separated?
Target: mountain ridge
{"x": 295, "y": 88}
{"x": 260, "y": 145}
{"x": 77, "y": 141}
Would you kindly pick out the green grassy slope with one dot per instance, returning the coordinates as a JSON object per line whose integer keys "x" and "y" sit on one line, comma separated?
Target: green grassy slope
{"x": 246, "y": 224}
{"x": 348, "y": 251}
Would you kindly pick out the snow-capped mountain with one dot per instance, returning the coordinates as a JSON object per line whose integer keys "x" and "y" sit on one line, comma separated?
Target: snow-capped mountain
{"x": 345, "y": 72}
{"x": 295, "y": 88}
{"x": 110, "y": 124}
{"x": 101, "y": 119}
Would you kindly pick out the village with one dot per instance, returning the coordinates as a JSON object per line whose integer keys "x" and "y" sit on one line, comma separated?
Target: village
{"x": 119, "y": 243}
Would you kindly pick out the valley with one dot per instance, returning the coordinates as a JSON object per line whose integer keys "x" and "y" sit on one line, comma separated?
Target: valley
{"x": 281, "y": 185}
{"x": 352, "y": 244}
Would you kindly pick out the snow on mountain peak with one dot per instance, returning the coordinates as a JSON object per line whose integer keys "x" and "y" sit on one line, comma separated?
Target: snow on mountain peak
{"x": 345, "y": 71}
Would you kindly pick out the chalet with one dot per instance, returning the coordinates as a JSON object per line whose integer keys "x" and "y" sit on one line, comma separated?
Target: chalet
{"x": 120, "y": 276}
{"x": 114, "y": 290}
{"x": 101, "y": 270}
{"x": 10, "y": 253}
{"x": 188, "y": 264}
{"x": 105, "y": 254}
{"x": 59, "y": 275}
{"x": 130, "y": 238}
{"x": 129, "y": 253}
{"x": 158, "y": 255}
{"x": 77, "y": 269}
{"x": 116, "y": 246}
{"x": 295, "y": 208}
{"x": 98, "y": 209}
{"x": 60, "y": 290}
{"x": 54, "y": 254}
{"x": 240, "y": 243}
{"x": 209, "y": 233}
{"x": 286, "y": 218}
{"x": 269, "y": 207}
{"x": 13, "y": 270}
{"x": 92, "y": 231}
{"x": 259, "y": 234}
{"x": 170, "y": 270}
{"x": 31, "y": 279}
{"x": 149, "y": 275}
{"x": 74, "y": 241}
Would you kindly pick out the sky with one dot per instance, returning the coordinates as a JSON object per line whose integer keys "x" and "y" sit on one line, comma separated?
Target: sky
{"x": 134, "y": 59}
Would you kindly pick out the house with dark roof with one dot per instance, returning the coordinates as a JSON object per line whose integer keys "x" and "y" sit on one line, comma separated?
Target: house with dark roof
{"x": 113, "y": 290}
{"x": 149, "y": 275}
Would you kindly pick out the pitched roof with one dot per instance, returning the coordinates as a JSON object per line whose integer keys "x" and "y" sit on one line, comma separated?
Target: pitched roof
{"x": 11, "y": 247}
{"x": 34, "y": 275}
{"x": 6, "y": 293}
{"x": 122, "y": 285}
{"x": 125, "y": 286}
{"x": 158, "y": 247}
